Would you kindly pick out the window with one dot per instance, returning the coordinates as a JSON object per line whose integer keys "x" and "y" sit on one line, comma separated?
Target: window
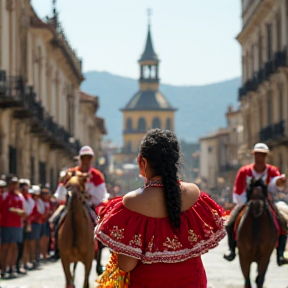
{"x": 156, "y": 123}
{"x": 260, "y": 115}
{"x": 32, "y": 170}
{"x": 280, "y": 92}
{"x": 52, "y": 184}
{"x": 269, "y": 108}
{"x": 42, "y": 173}
{"x": 142, "y": 125}
{"x": 269, "y": 42}
{"x": 129, "y": 124}
{"x": 12, "y": 160}
{"x": 168, "y": 124}
{"x": 210, "y": 149}
{"x": 260, "y": 50}
{"x": 279, "y": 40}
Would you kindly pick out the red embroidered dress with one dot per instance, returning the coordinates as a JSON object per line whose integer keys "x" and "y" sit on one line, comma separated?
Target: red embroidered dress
{"x": 155, "y": 243}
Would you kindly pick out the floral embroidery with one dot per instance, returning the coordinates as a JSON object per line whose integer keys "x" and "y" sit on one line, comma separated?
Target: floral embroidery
{"x": 207, "y": 230}
{"x": 218, "y": 220}
{"x": 172, "y": 244}
{"x": 193, "y": 237}
{"x": 136, "y": 241}
{"x": 150, "y": 244}
{"x": 117, "y": 233}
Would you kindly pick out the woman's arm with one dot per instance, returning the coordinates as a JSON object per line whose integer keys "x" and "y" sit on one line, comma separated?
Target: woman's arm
{"x": 126, "y": 263}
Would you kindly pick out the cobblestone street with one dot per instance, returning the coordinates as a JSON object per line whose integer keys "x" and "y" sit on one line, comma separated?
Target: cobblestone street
{"x": 220, "y": 273}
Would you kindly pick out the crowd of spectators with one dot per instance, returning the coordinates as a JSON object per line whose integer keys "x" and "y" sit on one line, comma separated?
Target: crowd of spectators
{"x": 26, "y": 236}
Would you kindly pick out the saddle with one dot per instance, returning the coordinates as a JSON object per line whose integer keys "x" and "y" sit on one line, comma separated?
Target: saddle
{"x": 238, "y": 220}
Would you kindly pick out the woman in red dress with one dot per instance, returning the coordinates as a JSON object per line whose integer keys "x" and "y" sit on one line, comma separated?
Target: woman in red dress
{"x": 159, "y": 232}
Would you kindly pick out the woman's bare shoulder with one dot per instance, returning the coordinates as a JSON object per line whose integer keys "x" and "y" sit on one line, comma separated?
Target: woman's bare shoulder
{"x": 190, "y": 194}
{"x": 132, "y": 199}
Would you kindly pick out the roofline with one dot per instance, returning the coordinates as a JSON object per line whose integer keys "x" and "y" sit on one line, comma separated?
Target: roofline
{"x": 156, "y": 109}
{"x": 58, "y": 42}
{"x": 215, "y": 135}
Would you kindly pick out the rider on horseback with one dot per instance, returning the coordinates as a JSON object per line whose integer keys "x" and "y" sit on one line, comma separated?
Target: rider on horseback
{"x": 95, "y": 187}
{"x": 274, "y": 180}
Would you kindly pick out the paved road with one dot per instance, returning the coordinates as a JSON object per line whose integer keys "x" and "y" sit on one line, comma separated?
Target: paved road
{"x": 220, "y": 273}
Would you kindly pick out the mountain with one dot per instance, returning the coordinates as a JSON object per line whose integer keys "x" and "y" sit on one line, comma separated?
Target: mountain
{"x": 201, "y": 109}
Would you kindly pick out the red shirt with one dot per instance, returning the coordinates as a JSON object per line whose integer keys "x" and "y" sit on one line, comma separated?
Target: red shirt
{"x": 10, "y": 219}
{"x": 244, "y": 176}
{"x": 48, "y": 208}
{"x": 36, "y": 215}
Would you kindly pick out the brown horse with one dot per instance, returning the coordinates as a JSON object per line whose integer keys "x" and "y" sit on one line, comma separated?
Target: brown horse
{"x": 76, "y": 242}
{"x": 257, "y": 237}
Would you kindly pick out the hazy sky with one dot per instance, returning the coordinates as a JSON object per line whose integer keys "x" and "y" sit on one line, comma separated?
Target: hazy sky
{"x": 195, "y": 39}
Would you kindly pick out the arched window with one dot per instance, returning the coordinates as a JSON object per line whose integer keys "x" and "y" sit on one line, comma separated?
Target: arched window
{"x": 168, "y": 124}
{"x": 129, "y": 124}
{"x": 142, "y": 125}
{"x": 156, "y": 123}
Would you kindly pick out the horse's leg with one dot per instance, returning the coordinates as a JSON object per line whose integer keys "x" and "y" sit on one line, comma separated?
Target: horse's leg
{"x": 74, "y": 270}
{"x": 262, "y": 268}
{"x": 99, "y": 268}
{"x": 88, "y": 266}
{"x": 67, "y": 272}
{"x": 245, "y": 267}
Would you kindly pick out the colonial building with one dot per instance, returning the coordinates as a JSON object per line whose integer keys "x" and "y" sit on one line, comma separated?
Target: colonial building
{"x": 219, "y": 157}
{"x": 40, "y": 76}
{"x": 148, "y": 108}
{"x": 264, "y": 93}
{"x": 91, "y": 127}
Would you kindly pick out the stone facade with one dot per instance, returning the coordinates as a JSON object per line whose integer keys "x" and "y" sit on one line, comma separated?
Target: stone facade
{"x": 219, "y": 157}
{"x": 40, "y": 103}
{"x": 91, "y": 127}
{"x": 264, "y": 94}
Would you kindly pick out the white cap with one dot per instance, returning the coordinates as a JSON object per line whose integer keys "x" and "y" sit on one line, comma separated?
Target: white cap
{"x": 35, "y": 190}
{"x": 261, "y": 147}
{"x": 2, "y": 183}
{"x": 86, "y": 150}
{"x": 24, "y": 181}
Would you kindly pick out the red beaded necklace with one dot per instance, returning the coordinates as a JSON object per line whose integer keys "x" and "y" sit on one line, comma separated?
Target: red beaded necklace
{"x": 153, "y": 183}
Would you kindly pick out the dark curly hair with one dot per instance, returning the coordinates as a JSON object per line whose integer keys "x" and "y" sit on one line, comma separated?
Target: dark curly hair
{"x": 162, "y": 151}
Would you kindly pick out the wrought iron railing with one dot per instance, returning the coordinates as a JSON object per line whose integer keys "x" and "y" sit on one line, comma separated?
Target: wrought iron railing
{"x": 14, "y": 93}
{"x": 270, "y": 67}
{"x": 273, "y": 132}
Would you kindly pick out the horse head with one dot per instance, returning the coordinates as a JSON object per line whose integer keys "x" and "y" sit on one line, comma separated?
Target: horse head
{"x": 76, "y": 184}
{"x": 257, "y": 193}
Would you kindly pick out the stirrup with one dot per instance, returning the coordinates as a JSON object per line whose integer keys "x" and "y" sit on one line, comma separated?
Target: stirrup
{"x": 230, "y": 257}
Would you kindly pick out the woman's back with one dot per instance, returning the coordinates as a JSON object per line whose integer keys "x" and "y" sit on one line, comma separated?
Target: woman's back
{"x": 151, "y": 201}
{"x": 160, "y": 231}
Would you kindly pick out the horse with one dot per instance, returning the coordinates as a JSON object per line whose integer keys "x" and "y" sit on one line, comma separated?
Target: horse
{"x": 283, "y": 209}
{"x": 75, "y": 240}
{"x": 256, "y": 236}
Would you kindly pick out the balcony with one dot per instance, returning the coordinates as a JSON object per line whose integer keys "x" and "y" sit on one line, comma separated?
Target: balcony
{"x": 274, "y": 132}
{"x": 14, "y": 94}
{"x": 270, "y": 67}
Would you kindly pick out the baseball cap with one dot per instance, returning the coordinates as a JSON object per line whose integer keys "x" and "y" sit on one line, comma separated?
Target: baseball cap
{"x": 261, "y": 147}
{"x": 35, "y": 190}
{"x": 86, "y": 150}
{"x": 24, "y": 182}
{"x": 3, "y": 183}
